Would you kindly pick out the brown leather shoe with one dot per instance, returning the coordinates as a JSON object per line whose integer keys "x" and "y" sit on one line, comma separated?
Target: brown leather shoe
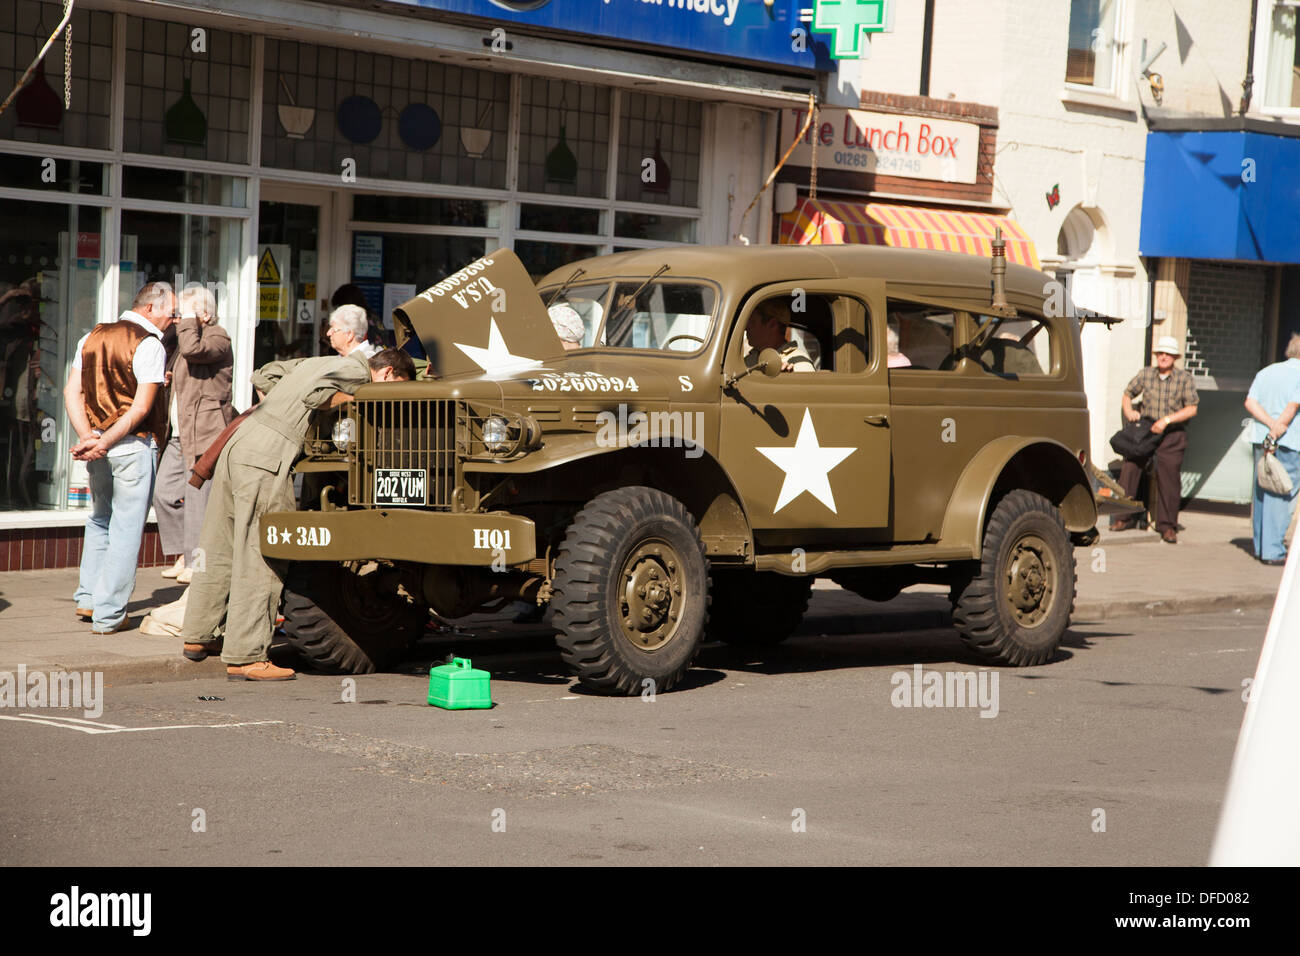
{"x": 259, "y": 670}
{"x": 197, "y": 651}
{"x": 85, "y": 613}
{"x": 121, "y": 626}
{"x": 1122, "y": 524}
{"x": 1170, "y": 536}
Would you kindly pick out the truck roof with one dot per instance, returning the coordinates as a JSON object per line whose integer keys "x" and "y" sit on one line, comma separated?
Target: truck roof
{"x": 749, "y": 266}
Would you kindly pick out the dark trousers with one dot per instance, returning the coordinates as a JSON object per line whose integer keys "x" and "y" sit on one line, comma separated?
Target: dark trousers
{"x": 1169, "y": 477}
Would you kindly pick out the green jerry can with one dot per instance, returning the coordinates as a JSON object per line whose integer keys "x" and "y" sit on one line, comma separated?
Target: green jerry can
{"x": 458, "y": 686}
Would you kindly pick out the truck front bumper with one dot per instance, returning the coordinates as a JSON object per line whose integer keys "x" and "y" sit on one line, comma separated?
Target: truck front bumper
{"x": 397, "y": 534}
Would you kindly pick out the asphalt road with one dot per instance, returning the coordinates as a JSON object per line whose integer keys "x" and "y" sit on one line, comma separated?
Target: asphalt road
{"x": 794, "y": 756}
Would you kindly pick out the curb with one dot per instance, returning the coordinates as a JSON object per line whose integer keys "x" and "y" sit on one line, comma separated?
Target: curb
{"x": 918, "y": 619}
{"x": 173, "y": 667}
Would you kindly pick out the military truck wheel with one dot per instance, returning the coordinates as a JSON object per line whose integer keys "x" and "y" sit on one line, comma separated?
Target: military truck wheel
{"x": 631, "y": 592}
{"x": 343, "y": 623}
{"x": 1015, "y": 609}
{"x": 756, "y": 608}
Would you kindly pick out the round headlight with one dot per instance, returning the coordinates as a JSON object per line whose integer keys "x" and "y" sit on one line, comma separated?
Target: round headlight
{"x": 496, "y": 435}
{"x": 344, "y": 433}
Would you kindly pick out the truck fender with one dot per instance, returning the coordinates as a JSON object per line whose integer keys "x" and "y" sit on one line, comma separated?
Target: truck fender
{"x": 1066, "y": 485}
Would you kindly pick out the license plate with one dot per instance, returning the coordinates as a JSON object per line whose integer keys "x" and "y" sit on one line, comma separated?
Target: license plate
{"x": 400, "y": 486}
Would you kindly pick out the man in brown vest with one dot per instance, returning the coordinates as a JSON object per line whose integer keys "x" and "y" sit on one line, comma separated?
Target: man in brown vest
{"x": 117, "y": 404}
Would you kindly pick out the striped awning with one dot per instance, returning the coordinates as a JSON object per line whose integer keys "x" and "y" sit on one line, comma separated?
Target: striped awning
{"x": 832, "y": 222}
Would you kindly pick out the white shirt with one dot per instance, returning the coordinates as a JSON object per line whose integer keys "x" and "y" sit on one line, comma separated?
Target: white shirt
{"x": 150, "y": 361}
{"x": 366, "y": 348}
{"x": 149, "y": 364}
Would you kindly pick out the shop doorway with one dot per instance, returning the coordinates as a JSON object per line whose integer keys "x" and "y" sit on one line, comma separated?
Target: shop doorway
{"x": 294, "y": 272}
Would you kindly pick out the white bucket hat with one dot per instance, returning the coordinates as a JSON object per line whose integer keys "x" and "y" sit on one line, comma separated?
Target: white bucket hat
{"x": 567, "y": 322}
{"x": 1167, "y": 344}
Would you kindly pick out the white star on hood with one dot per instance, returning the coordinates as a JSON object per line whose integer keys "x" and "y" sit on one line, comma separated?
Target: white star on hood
{"x": 496, "y": 358}
{"x": 807, "y": 466}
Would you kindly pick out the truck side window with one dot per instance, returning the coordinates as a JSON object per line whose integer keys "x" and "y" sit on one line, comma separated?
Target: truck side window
{"x": 1016, "y": 347}
{"x": 829, "y": 329}
{"x": 925, "y": 336}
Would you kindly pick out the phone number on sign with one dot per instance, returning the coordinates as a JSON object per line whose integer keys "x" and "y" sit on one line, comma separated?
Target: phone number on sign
{"x": 874, "y": 161}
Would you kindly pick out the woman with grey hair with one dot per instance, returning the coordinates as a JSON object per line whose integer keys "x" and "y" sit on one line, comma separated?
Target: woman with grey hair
{"x": 347, "y": 330}
{"x": 201, "y": 409}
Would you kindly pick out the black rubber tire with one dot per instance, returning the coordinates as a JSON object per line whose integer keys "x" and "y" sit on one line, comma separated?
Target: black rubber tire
{"x": 982, "y": 606}
{"x": 323, "y": 626}
{"x": 756, "y": 608}
{"x": 590, "y": 578}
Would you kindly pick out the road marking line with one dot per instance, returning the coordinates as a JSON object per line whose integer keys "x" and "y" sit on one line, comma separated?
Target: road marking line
{"x": 77, "y": 720}
{"x": 116, "y": 729}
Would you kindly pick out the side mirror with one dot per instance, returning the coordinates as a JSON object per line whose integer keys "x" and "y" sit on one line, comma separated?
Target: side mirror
{"x": 769, "y": 363}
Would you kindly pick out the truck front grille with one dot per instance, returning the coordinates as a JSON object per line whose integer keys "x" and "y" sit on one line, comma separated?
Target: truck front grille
{"x": 404, "y": 433}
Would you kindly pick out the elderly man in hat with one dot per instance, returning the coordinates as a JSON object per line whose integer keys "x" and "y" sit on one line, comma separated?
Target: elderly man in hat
{"x": 1168, "y": 396}
{"x": 568, "y": 325}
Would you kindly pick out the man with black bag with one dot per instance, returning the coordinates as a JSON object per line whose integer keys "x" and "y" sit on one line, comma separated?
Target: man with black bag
{"x": 1169, "y": 400}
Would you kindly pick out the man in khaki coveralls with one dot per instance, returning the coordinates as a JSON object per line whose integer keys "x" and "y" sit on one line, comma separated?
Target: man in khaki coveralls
{"x": 252, "y": 478}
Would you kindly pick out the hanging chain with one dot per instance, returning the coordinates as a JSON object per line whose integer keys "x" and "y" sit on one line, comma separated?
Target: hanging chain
{"x": 812, "y": 182}
{"x": 67, "y": 59}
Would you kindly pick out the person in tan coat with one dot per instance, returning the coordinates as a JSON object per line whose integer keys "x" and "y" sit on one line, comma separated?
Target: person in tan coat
{"x": 253, "y": 477}
{"x": 201, "y": 376}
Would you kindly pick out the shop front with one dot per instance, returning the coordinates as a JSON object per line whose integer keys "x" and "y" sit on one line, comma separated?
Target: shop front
{"x": 905, "y": 171}
{"x": 1227, "y": 270}
{"x": 278, "y": 151}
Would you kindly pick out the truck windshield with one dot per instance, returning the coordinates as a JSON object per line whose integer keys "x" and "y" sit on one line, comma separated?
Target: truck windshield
{"x": 671, "y": 316}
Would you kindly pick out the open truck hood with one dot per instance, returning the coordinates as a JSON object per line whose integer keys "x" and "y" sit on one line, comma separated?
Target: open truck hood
{"x": 486, "y": 319}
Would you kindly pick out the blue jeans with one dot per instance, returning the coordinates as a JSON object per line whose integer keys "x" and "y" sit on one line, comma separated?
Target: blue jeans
{"x": 1272, "y": 513}
{"x": 121, "y": 487}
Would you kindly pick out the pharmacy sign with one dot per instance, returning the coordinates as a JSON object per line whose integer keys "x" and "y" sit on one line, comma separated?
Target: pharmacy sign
{"x": 851, "y": 21}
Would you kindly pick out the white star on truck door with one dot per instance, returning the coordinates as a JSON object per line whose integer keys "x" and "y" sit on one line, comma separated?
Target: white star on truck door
{"x": 496, "y": 358}
{"x": 807, "y": 466}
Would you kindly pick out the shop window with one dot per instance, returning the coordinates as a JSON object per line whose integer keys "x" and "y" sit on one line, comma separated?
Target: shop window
{"x": 70, "y": 175}
{"x": 182, "y": 186}
{"x": 182, "y": 102}
{"x": 559, "y": 219}
{"x": 393, "y": 267}
{"x": 1092, "y": 54}
{"x": 640, "y": 225}
{"x": 337, "y": 111}
{"x": 426, "y": 211}
{"x": 51, "y": 272}
{"x": 539, "y": 258}
{"x": 563, "y": 137}
{"x": 181, "y": 249}
{"x": 1282, "y": 82}
{"x": 659, "y": 150}
{"x": 38, "y": 114}
{"x": 926, "y": 335}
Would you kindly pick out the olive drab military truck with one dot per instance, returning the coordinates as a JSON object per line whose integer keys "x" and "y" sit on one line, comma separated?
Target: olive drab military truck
{"x": 737, "y": 422}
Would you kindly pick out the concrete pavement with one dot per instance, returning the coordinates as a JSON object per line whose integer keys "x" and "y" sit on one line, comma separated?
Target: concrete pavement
{"x": 1125, "y": 574}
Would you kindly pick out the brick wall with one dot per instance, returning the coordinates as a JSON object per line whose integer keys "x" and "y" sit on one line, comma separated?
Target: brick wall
{"x": 34, "y": 549}
{"x": 1226, "y": 309}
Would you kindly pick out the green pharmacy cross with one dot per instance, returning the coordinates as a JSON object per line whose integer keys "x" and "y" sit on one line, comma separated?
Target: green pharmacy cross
{"x": 849, "y": 20}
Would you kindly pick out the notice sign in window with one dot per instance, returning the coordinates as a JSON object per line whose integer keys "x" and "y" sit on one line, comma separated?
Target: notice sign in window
{"x": 889, "y": 144}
